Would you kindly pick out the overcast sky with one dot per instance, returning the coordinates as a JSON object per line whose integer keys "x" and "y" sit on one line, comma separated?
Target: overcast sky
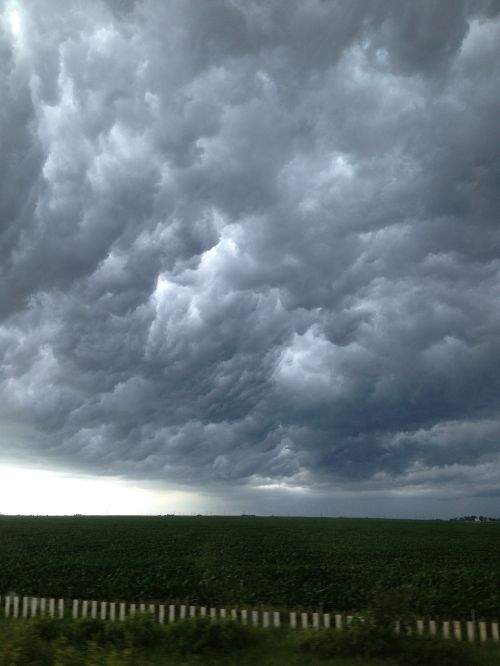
{"x": 250, "y": 254}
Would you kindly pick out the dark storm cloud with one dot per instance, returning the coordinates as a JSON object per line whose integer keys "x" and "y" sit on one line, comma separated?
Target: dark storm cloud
{"x": 253, "y": 243}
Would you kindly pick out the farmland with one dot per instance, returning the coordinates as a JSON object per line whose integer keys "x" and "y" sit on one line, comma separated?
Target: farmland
{"x": 446, "y": 568}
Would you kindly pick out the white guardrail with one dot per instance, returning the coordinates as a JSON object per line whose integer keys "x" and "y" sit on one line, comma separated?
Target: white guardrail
{"x": 15, "y": 606}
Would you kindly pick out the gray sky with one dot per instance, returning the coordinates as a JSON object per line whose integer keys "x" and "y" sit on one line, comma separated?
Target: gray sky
{"x": 250, "y": 250}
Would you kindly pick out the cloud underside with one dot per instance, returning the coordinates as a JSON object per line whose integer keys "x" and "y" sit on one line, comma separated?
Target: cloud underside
{"x": 253, "y": 243}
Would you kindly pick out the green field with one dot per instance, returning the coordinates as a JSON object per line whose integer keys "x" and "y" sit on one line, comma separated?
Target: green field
{"x": 448, "y": 568}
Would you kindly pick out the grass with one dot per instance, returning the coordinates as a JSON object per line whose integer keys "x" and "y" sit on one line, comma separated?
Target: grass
{"x": 447, "y": 568}
{"x": 139, "y": 641}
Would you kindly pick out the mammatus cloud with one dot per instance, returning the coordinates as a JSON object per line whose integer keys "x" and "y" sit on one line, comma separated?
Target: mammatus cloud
{"x": 253, "y": 244}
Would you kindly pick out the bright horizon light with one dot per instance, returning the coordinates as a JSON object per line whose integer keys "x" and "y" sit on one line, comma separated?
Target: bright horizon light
{"x": 28, "y": 491}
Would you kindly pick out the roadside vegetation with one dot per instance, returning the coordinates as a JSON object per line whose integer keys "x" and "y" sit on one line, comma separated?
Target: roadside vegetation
{"x": 140, "y": 641}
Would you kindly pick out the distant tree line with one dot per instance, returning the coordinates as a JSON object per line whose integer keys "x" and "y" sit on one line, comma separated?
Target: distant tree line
{"x": 477, "y": 519}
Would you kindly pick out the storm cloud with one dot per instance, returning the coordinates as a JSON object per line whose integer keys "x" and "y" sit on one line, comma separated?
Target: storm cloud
{"x": 253, "y": 244}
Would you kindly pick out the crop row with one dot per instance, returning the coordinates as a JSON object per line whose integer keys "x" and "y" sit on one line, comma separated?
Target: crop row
{"x": 446, "y": 569}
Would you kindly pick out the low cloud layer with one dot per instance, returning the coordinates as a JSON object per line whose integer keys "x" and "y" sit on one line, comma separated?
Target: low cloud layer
{"x": 253, "y": 243}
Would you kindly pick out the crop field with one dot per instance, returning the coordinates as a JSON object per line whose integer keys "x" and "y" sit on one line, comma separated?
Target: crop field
{"x": 446, "y": 568}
